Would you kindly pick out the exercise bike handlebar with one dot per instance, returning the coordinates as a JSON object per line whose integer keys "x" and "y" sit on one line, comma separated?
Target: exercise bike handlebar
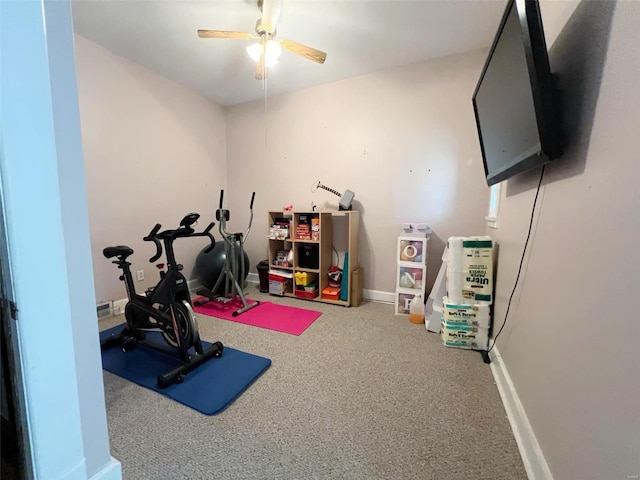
{"x": 207, "y": 233}
{"x": 184, "y": 230}
{"x": 152, "y": 237}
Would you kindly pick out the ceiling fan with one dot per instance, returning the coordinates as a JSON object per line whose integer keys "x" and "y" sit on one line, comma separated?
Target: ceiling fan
{"x": 267, "y": 49}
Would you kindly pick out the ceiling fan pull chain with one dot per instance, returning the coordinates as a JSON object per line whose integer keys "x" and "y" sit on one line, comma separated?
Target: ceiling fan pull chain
{"x": 266, "y": 119}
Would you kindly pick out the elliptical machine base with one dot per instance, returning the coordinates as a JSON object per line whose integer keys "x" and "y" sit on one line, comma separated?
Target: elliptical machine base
{"x": 233, "y": 272}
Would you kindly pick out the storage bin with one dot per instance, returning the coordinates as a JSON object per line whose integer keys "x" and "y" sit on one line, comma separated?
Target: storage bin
{"x": 305, "y": 278}
{"x": 411, "y": 277}
{"x": 263, "y": 275}
{"x": 308, "y": 256}
{"x": 279, "y": 285}
{"x": 331, "y": 293}
{"x": 412, "y": 250}
{"x": 402, "y": 301}
{"x": 307, "y": 294}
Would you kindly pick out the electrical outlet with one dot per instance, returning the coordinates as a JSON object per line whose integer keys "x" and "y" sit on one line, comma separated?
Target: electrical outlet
{"x": 140, "y": 274}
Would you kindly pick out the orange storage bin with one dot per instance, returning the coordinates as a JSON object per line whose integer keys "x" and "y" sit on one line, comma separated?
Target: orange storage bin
{"x": 331, "y": 293}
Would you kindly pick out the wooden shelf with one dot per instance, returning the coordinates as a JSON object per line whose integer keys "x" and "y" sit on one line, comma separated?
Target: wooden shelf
{"x": 310, "y": 270}
{"x": 345, "y": 241}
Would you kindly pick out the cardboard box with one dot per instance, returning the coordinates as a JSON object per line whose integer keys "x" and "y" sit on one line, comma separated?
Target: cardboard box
{"x": 279, "y": 285}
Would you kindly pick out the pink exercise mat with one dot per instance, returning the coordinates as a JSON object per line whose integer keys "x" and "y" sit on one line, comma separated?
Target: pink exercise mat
{"x": 281, "y": 318}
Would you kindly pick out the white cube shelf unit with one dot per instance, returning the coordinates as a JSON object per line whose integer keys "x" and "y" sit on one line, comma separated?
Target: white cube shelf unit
{"x": 411, "y": 271}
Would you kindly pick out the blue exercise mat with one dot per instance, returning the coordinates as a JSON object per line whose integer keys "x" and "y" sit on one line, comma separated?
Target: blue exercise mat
{"x": 210, "y": 388}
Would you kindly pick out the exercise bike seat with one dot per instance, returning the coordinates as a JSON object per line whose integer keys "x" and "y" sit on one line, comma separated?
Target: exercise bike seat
{"x": 119, "y": 251}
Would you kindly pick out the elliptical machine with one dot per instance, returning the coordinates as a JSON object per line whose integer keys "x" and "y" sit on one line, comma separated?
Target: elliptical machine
{"x": 234, "y": 268}
{"x": 166, "y": 308}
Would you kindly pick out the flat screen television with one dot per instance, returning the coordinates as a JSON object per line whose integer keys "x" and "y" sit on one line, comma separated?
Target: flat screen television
{"x": 516, "y": 100}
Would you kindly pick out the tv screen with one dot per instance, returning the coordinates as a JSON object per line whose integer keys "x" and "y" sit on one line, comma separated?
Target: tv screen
{"x": 515, "y": 99}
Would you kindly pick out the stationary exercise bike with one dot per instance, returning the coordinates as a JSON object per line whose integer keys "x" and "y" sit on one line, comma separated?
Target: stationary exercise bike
{"x": 166, "y": 308}
{"x": 233, "y": 272}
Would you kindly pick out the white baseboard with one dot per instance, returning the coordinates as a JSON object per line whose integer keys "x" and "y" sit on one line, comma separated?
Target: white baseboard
{"x": 379, "y": 296}
{"x": 373, "y": 295}
{"x": 111, "y": 471}
{"x": 532, "y": 456}
{"x": 118, "y": 306}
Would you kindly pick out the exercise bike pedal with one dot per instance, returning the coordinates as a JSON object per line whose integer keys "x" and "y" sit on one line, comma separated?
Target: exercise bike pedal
{"x": 223, "y": 299}
{"x": 127, "y": 346}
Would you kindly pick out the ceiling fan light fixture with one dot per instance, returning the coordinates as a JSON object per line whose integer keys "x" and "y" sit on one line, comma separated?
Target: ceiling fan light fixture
{"x": 272, "y": 53}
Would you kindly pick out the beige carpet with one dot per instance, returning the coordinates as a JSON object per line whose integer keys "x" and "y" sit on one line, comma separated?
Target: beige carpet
{"x": 361, "y": 394}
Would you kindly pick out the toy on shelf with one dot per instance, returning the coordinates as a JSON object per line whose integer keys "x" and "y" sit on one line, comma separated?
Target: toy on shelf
{"x": 346, "y": 198}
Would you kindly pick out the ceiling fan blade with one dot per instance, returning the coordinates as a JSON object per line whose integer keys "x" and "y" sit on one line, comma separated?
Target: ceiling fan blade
{"x": 270, "y": 14}
{"x": 303, "y": 50}
{"x": 223, "y": 34}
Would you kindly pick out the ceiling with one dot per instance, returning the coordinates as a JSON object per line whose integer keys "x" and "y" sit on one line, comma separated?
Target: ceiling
{"x": 359, "y": 36}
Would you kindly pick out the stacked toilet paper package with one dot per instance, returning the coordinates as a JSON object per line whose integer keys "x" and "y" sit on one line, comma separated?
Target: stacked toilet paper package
{"x": 466, "y": 316}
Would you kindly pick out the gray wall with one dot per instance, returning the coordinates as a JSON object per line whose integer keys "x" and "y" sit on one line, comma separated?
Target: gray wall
{"x": 404, "y": 140}
{"x": 571, "y": 340}
{"x": 154, "y": 151}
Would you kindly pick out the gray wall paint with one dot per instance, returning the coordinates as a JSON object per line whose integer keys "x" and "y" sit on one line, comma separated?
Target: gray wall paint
{"x": 571, "y": 341}
{"x": 154, "y": 151}
{"x": 404, "y": 140}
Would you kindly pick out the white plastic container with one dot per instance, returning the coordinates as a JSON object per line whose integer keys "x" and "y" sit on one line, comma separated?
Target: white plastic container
{"x": 416, "y": 310}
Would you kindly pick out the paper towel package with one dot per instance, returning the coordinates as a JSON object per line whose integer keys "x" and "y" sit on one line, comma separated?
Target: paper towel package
{"x": 455, "y": 260}
{"x": 470, "y": 270}
{"x": 466, "y": 315}
{"x": 455, "y": 285}
{"x": 465, "y": 336}
{"x": 478, "y": 268}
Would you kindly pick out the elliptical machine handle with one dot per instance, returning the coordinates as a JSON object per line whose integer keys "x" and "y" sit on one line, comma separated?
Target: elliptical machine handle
{"x": 246, "y": 234}
{"x": 153, "y": 238}
{"x": 221, "y": 198}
